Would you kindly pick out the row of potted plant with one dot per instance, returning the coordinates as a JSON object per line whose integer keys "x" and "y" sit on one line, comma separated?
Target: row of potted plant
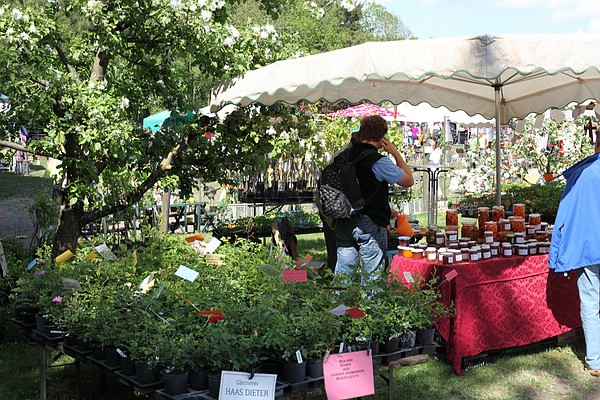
{"x": 239, "y": 315}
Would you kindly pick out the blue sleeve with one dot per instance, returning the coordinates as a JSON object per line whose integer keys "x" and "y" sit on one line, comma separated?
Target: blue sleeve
{"x": 385, "y": 170}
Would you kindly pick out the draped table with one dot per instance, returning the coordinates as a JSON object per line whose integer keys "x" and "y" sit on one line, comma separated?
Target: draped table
{"x": 499, "y": 303}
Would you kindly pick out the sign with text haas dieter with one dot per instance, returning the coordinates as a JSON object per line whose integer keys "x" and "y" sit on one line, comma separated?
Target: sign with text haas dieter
{"x": 241, "y": 386}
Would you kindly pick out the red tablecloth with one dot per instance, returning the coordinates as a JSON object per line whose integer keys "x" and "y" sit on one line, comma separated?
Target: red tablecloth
{"x": 500, "y": 303}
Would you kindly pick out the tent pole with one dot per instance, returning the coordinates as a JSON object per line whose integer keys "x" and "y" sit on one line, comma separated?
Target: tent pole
{"x": 497, "y": 88}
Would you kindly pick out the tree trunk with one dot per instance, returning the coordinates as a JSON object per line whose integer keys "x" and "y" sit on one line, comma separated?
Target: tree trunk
{"x": 67, "y": 233}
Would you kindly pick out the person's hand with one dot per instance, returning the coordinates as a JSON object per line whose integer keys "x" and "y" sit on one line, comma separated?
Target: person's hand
{"x": 388, "y": 146}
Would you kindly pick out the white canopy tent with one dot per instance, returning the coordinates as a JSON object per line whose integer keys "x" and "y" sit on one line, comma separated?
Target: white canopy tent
{"x": 501, "y": 77}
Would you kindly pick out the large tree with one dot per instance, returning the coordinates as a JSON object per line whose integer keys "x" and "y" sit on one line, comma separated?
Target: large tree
{"x": 84, "y": 73}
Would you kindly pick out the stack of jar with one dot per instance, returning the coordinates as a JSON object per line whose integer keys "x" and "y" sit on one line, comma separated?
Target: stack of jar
{"x": 492, "y": 235}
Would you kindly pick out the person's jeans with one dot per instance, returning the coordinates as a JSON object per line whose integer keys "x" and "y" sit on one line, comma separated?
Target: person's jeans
{"x": 588, "y": 283}
{"x": 363, "y": 243}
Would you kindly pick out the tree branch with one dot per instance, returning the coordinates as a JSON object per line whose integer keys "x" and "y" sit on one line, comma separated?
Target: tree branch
{"x": 170, "y": 162}
{"x": 65, "y": 61}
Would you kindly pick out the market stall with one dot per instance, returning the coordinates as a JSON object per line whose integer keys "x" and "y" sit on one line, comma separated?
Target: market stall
{"x": 499, "y": 302}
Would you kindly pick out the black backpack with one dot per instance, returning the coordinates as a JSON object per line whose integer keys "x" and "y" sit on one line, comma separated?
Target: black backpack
{"x": 339, "y": 192}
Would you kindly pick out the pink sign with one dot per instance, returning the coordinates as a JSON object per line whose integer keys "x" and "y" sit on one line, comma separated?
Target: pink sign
{"x": 295, "y": 275}
{"x": 348, "y": 375}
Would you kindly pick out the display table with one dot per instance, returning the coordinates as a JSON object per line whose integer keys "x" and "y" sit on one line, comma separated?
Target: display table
{"x": 499, "y": 303}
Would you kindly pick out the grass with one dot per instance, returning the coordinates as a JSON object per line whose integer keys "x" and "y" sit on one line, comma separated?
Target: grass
{"x": 13, "y": 185}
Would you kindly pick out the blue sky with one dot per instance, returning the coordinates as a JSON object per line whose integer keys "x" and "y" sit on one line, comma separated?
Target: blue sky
{"x": 445, "y": 18}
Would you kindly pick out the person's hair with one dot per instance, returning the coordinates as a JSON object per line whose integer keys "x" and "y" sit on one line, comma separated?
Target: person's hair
{"x": 372, "y": 128}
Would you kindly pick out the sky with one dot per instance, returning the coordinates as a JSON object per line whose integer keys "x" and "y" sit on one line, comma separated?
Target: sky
{"x": 446, "y": 18}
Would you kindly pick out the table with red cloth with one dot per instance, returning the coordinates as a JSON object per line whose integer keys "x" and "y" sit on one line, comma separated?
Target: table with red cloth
{"x": 499, "y": 303}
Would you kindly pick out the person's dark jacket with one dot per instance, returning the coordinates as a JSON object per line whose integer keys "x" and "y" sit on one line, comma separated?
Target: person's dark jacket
{"x": 373, "y": 191}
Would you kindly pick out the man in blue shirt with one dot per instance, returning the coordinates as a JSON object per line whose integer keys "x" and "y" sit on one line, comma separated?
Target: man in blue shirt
{"x": 575, "y": 244}
{"x": 362, "y": 239}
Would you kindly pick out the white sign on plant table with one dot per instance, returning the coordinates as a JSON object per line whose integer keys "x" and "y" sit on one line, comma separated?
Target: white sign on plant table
{"x": 239, "y": 385}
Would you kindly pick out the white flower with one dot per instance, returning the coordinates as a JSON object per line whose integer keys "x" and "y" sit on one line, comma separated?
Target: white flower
{"x": 206, "y": 15}
{"x": 32, "y": 28}
{"x": 124, "y": 103}
{"x": 229, "y": 41}
{"x": 176, "y": 4}
{"x": 17, "y": 14}
{"x": 193, "y": 7}
{"x": 160, "y": 82}
{"x": 348, "y": 5}
{"x": 233, "y": 31}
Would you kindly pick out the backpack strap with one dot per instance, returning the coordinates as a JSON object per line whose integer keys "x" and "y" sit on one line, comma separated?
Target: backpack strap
{"x": 360, "y": 157}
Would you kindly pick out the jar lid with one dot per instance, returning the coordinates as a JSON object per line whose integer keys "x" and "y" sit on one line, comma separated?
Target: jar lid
{"x": 519, "y": 234}
{"x": 483, "y": 208}
{"x": 485, "y": 247}
{"x": 534, "y": 215}
{"x": 505, "y": 244}
{"x": 468, "y": 222}
{"x": 407, "y": 238}
{"x": 488, "y": 233}
{"x": 498, "y": 207}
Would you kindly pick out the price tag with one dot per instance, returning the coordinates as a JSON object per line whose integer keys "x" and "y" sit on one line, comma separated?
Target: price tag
{"x": 105, "y": 252}
{"x": 451, "y": 275}
{"x": 31, "y": 264}
{"x": 71, "y": 284}
{"x": 408, "y": 277}
{"x": 299, "y": 356}
{"x": 67, "y": 255}
{"x": 355, "y": 312}
{"x": 295, "y": 275}
{"x": 187, "y": 273}
{"x": 339, "y": 310}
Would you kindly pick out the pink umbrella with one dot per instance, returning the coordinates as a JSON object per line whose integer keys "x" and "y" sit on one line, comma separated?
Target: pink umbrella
{"x": 365, "y": 109}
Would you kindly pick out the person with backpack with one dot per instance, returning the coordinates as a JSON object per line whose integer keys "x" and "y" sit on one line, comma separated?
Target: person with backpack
{"x": 361, "y": 238}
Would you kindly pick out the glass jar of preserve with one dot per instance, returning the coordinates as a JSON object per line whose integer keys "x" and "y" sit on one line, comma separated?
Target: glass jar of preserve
{"x": 447, "y": 258}
{"x": 483, "y": 215}
{"x": 492, "y": 226}
{"x": 533, "y": 248}
{"x": 406, "y": 251}
{"x": 486, "y": 252}
{"x": 417, "y": 254}
{"x": 518, "y": 224}
{"x": 519, "y": 238}
{"x": 540, "y": 236}
{"x": 519, "y": 210}
{"x": 475, "y": 253}
{"x": 403, "y": 241}
{"x": 522, "y": 250}
{"x": 456, "y": 255}
{"x": 530, "y": 231}
{"x": 452, "y": 217}
{"x": 431, "y": 254}
{"x": 440, "y": 238}
{"x": 495, "y": 249}
{"x": 497, "y": 213}
{"x": 535, "y": 220}
{"x": 452, "y": 237}
{"x": 464, "y": 251}
{"x": 469, "y": 230}
{"x": 504, "y": 224}
{"x": 506, "y": 249}
{"x": 488, "y": 237}
{"x": 431, "y": 231}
